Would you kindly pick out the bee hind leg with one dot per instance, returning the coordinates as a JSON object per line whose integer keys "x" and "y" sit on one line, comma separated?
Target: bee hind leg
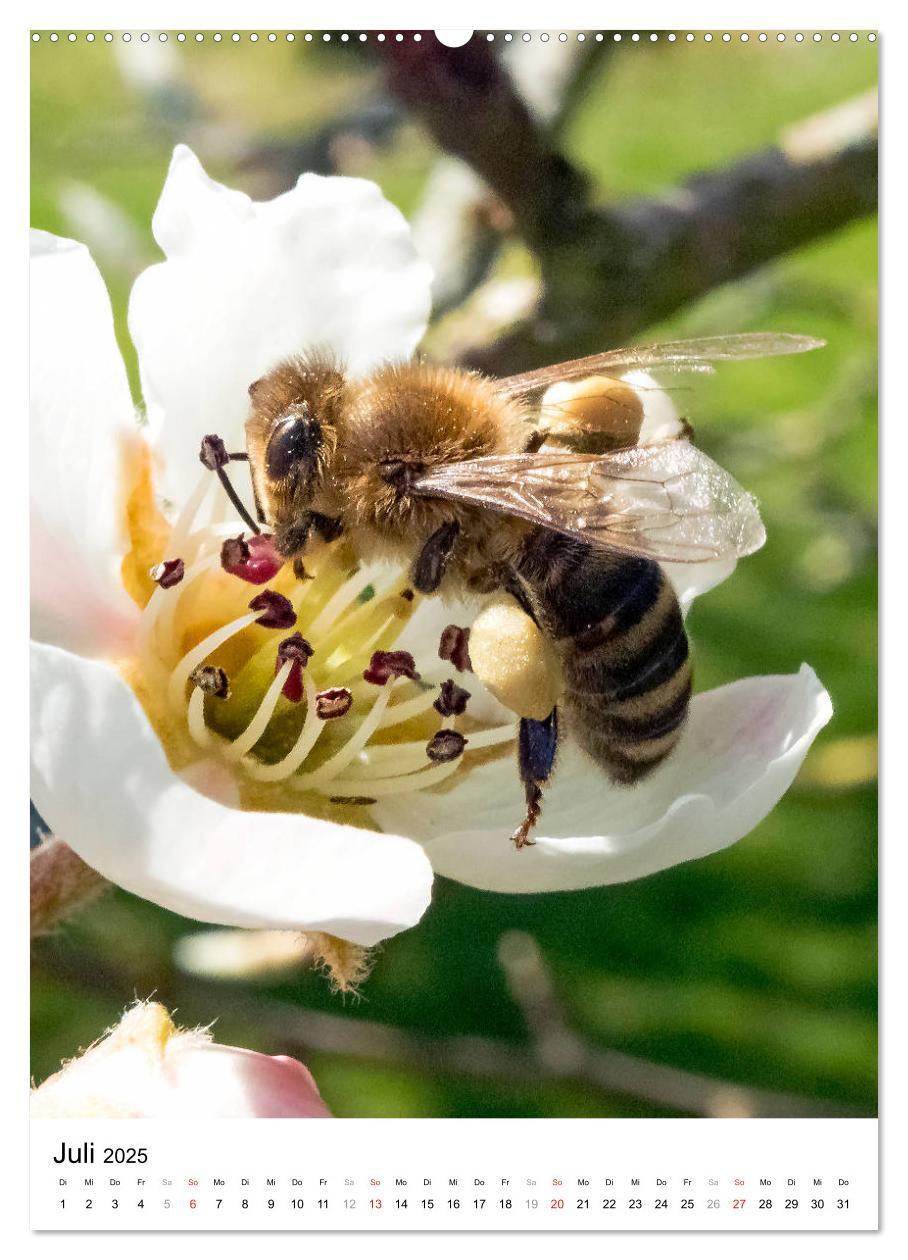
{"x": 537, "y": 743}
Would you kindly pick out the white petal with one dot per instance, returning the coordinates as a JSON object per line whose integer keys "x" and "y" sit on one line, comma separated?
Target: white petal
{"x": 691, "y": 580}
{"x": 329, "y": 265}
{"x": 147, "y": 1068}
{"x": 102, "y": 782}
{"x": 661, "y": 418}
{"x": 740, "y": 753}
{"x": 81, "y": 420}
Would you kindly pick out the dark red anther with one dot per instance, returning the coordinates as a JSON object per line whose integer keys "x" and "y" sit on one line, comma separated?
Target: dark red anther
{"x": 333, "y": 703}
{"x": 213, "y": 453}
{"x": 297, "y": 651}
{"x": 454, "y": 647}
{"x": 168, "y": 573}
{"x": 276, "y": 609}
{"x": 445, "y": 745}
{"x": 212, "y": 680}
{"x": 452, "y": 700}
{"x": 255, "y": 559}
{"x": 387, "y": 665}
{"x": 296, "y": 648}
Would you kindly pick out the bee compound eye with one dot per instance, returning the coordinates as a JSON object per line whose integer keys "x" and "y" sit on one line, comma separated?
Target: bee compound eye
{"x": 293, "y": 446}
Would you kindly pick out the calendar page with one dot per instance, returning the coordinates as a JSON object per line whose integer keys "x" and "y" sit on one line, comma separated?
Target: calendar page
{"x": 453, "y": 628}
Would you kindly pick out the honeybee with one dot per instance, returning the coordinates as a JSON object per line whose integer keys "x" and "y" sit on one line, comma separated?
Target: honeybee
{"x": 478, "y": 486}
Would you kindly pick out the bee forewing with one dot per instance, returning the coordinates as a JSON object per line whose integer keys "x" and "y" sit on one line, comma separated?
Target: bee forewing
{"x": 696, "y": 354}
{"x": 668, "y": 502}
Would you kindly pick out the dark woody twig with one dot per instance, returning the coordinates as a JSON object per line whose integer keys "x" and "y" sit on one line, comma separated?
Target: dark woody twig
{"x": 636, "y": 264}
{"x": 554, "y": 1051}
{"x": 61, "y": 884}
{"x": 469, "y": 104}
{"x": 609, "y": 272}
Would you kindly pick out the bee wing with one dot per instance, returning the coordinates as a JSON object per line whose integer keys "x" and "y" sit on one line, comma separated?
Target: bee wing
{"x": 695, "y": 355}
{"x": 667, "y": 502}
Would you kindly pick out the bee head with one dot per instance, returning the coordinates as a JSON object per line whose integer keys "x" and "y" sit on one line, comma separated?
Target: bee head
{"x": 291, "y": 440}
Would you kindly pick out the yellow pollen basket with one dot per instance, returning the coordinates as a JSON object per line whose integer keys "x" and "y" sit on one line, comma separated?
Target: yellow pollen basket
{"x": 372, "y": 740}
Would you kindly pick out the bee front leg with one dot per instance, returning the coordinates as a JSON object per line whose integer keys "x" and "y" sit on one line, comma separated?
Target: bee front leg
{"x": 292, "y": 540}
{"x": 537, "y": 743}
{"x": 432, "y": 561}
{"x": 327, "y": 527}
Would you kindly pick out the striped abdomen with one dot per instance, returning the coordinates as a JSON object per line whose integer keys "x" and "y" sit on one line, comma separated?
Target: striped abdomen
{"x": 616, "y": 623}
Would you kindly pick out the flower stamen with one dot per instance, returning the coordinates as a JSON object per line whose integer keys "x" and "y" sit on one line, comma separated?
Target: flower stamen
{"x": 298, "y": 651}
{"x": 179, "y": 677}
{"x": 306, "y": 741}
{"x": 341, "y": 759}
{"x": 211, "y": 680}
{"x": 321, "y": 668}
{"x": 256, "y": 729}
{"x": 387, "y": 665}
{"x": 277, "y": 613}
{"x": 168, "y": 573}
{"x": 454, "y": 647}
{"x": 334, "y": 703}
{"x": 256, "y": 561}
{"x": 452, "y": 700}
{"x": 445, "y": 745}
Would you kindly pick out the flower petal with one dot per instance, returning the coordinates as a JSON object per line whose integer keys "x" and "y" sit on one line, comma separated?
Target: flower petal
{"x": 82, "y": 420}
{"x": 213, "y": 1080}
{"x": 740, "y": 753}
{"x": 329, "y": 265}
{"x": 691, "y": 580}
{"x": 100, "y": 779}
{"x": 147, "y": 1068}
{"x": 661, "y": 419}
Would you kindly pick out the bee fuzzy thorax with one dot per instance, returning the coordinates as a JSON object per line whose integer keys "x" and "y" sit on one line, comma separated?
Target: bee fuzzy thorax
{"x": 409, "y": 419}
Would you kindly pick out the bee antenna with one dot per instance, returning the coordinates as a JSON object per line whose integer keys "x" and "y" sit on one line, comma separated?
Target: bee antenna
{"x": 215, "y": 456}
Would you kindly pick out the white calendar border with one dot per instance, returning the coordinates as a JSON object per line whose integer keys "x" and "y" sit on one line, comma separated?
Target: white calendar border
{"x": 894, "y": 866}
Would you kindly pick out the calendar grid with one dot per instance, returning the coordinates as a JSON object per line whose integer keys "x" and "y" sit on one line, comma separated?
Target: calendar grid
{"x": 470, "y": 1174}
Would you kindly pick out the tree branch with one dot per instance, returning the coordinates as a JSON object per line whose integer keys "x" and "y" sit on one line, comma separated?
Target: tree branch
{"x": 553, "y": 1053}
{"x": 466, "y": 99}
{"x": 633, "y": 265}
{"x": 609, "y": 272}
{"x": 460, "y": 225}
{"x": 61, "y": 884}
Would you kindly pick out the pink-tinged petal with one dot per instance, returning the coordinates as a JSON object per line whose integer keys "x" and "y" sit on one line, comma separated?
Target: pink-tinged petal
{"x": 82, "y": 421}
{"x": 102, "y": 782}
{"x": 742, "y": 748}
{"x": 329, "y": 265}
{"x": 242, "y": 1082}
{"x": 148, "y": 1069}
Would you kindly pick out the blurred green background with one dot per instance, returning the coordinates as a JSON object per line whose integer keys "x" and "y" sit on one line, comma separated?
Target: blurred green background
{"x": 757, "y": 966}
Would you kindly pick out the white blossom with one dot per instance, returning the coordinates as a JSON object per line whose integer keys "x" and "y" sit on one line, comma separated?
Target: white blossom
{"x": 151, "y": 784}
{"x": 146, "y": 1068}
